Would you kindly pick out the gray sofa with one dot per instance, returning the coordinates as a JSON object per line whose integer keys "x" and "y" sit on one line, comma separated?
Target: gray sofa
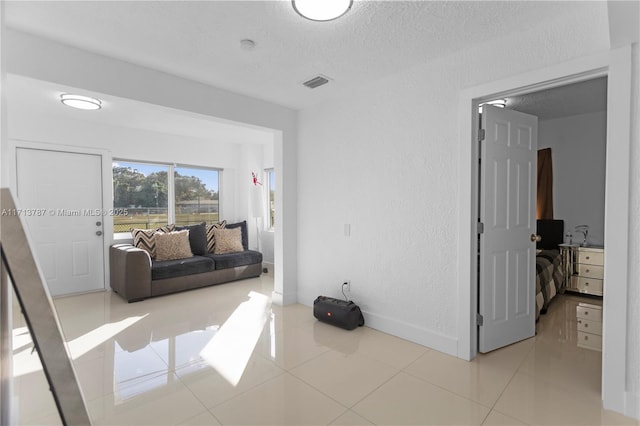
{"x": 135, "y": 276}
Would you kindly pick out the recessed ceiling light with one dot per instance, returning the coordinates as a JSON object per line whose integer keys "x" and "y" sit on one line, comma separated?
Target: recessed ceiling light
{"x": 321, "y": 10}
{"x": 80, "y": 102}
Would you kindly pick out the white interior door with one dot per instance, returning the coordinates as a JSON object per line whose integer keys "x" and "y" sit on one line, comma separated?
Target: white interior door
{"x": 60, "y": 194}
{"x": 507, "y": 211}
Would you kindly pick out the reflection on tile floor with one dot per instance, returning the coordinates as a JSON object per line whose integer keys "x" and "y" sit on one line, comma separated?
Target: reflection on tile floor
{"x": 224, "y": 355}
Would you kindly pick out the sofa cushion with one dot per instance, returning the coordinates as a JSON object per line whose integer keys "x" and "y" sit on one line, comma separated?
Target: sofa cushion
{"x": 227, "y": 241}
{"x": 174, "y": 245}
{"x": 197, "y": 238}
{"x": 145, "y": 238}
{"x": 211, "y": 241}
{"x": 177, "y": 268}
{"x": 243, "y": 228}
{"x": 231, "y": 260}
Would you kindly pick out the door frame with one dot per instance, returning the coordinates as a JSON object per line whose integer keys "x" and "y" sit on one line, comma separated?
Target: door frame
{"x": 616, "y": 65}
{"x": 107, "y": 177}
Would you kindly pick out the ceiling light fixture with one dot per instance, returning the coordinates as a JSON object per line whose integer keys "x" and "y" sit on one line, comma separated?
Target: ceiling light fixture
{"x": 500, "y": 103}
{"x": 321, "y": 10}
{"x": 80, "y": 102}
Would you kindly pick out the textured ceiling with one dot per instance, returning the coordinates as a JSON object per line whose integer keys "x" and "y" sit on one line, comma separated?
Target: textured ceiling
{"x": 200, "y": 40}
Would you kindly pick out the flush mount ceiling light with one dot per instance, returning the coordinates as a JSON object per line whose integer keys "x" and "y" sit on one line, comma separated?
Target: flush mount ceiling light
{"x": 80, "y": 102}
{"x": 321, "y": 10}
{"x": 500, "y": 103}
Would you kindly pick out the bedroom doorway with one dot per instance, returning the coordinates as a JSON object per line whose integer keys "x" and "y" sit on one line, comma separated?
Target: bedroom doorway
{"x": 571, "y": 131}
{"x": 616, "y": 64}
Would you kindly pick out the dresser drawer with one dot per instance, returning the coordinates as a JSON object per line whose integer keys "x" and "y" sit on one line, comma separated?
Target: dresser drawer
{"x": 591, "y": 257}
{"x": 588, "y": 326}
{"x": 591, "y": 271}
{"x": 587, "y": 285}
{"x": 589, "y": 341}
{"x": 589, "y": 312}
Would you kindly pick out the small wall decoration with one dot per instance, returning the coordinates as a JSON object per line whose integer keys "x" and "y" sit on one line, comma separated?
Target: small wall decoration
{"x": 254, "y": 177}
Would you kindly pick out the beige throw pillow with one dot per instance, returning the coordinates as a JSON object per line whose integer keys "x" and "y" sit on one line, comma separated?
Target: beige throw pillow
{"x": 228, "y": 240}
{"x": 173, "y": 245}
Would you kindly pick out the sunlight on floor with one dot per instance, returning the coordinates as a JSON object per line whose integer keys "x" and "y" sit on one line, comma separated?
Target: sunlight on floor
{"x": 26, "y": 360}
{"x": 83, "y": 344}
{"x": 231, "y": 347}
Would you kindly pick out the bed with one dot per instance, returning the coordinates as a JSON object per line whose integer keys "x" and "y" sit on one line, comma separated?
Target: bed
{"x": 549, "y": 270}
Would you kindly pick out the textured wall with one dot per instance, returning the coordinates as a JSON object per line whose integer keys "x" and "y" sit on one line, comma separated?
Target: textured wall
{"x": 578, "y": 148}
{"x": 384, "y": 160}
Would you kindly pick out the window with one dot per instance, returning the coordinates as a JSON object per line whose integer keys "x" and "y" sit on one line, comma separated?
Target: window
{"x": 271, "y": 181}
{"x": 144, "y": 190}
{"x": 196, "y": 194}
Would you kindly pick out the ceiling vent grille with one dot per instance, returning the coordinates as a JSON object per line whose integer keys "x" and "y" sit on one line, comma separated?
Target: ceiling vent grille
{"x": 317, "y": 81}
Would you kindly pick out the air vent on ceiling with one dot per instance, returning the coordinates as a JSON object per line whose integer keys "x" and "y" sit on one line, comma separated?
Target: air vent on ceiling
{"x": 316, "y": 81}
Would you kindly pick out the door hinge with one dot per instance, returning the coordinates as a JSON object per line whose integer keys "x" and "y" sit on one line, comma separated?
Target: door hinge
{"x": 480, "y": 135}
{"x": 480, "y": 228}
{"x": 479, "y": 319}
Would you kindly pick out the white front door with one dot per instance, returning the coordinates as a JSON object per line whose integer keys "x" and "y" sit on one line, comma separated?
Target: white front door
{"x": 507, "y": 212}
{"x": 60, "y": 194}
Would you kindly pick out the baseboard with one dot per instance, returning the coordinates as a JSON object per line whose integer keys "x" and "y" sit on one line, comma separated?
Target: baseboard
{"x": 412, "y": 333}
{"x": 404, "y": 330}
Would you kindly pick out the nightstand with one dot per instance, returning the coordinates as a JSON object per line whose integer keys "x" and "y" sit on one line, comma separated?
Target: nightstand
{"x": 584, "y": 268}
{"x": 589, "y": 323}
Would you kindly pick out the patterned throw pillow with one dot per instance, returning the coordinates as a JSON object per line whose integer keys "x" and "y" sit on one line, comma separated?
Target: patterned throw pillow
{"x": 174, "y": 245}
{"x": 211, "y": 241}
{"x": 145, "y": 238}
{"x": 227, "y": 241}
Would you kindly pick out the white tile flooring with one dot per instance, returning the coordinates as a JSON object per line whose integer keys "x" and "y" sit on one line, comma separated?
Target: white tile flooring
{"x": 224, "y": 355}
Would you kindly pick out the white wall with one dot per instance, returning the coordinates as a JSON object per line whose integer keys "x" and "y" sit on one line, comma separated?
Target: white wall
{"x": 384, "y": 160}
{"x": 578, "y": 149}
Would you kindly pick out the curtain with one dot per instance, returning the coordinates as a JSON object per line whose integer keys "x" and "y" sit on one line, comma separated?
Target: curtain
{"x": 544, "y": 205}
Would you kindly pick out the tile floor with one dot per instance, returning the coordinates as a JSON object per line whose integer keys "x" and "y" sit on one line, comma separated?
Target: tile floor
{"x": 224, "y": 355}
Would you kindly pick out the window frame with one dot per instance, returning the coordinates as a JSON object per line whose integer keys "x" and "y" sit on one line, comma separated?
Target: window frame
{"x": 171, "y": 195}
{"x": 271, "y": 221}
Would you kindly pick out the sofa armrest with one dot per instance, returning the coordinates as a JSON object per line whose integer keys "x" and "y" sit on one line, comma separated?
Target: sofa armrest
{"x": 130, "y": 271}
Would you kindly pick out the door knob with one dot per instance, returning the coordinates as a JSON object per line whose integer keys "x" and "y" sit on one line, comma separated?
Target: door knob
{"x": 98, "y": 233}
{"x": 535, "y": 238}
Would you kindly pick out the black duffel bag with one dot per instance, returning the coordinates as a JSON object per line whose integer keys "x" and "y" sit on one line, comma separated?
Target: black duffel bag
{"x": 341, "y": 313}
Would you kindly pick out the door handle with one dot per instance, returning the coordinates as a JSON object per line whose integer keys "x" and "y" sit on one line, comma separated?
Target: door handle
{"x": 98, "y": 233}
{"x": 535, "y": 238}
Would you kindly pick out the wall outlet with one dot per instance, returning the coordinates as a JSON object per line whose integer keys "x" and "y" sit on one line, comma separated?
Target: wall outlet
{"x": 346, "y": 286}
